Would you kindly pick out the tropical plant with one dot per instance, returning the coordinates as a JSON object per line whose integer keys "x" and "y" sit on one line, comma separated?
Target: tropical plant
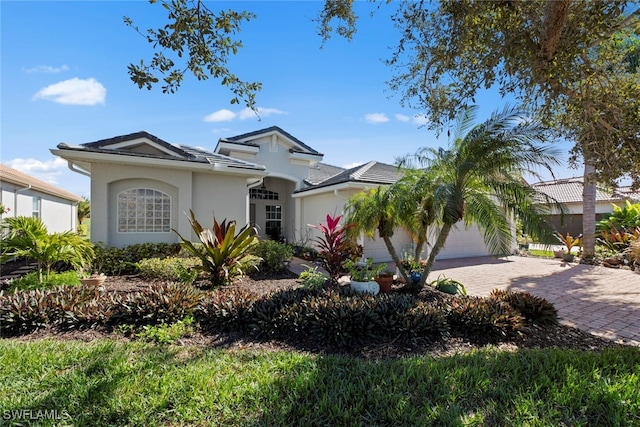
{"x": 311, "y": 278}
{"x": 363, "y": 271}
{"x": 479, "y": 179}
{"x": 448, "y": 285}
{"x": 221, "y": 251}
{"x": 28, "y": 237}
{"x": 569, "y": 241}
{"x": 334, "y": 246}
{"x": 627, "y": 217}
{"x": 84, "y": 209}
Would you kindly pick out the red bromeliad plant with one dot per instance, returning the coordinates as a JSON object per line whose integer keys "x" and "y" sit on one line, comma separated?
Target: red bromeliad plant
{"x": 334, "y": 246}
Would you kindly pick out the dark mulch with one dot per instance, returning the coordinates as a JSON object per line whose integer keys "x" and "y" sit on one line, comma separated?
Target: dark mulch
{"x": 557, "y": 336}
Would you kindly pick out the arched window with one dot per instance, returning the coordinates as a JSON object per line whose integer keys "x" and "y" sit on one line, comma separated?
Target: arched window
{"x": 144, "y": 210}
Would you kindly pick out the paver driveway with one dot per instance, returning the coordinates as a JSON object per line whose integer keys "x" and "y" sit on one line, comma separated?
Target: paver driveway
{"x": 602, "y": 301}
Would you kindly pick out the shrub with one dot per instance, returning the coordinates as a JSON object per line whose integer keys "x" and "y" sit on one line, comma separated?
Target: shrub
{"x": 25, "y": 311}
{"x": 273, "y": 254}
{"x": 175, "y": 269}
{"x": 481, "y": 318}
{"x": 534, "y": 309}
{"x": 31, "y": 281}
{"x": 164, "y": 303}
{"x": 222, "y": 252}
{"x": 311, "y": 278}
{"x": 114, "y": 261}
{"x": 225, "y": 309}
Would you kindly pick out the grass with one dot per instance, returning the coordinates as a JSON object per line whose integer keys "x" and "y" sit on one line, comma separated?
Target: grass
{"x": 541, "y": 253}
{"x": 134, "y": 383}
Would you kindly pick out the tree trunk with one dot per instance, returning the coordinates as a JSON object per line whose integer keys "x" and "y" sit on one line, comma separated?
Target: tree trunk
{"x": 437, "y": 247}
{"x": 588, "y": 212}
{"x": 395, "y": 258}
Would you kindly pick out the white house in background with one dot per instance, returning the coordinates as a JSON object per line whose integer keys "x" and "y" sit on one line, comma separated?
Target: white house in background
{"x": 569, "y": 192}
{"x": 142, "y": 186}
{"x": 23, "y": 195}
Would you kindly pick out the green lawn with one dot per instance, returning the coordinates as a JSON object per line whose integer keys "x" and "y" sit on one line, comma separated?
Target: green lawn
{"x": 115, "y": 383}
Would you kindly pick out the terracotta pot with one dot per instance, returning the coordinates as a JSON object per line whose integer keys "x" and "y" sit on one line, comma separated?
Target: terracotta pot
{"x": 385, "y": 282}
{"x": 93, "y": 281}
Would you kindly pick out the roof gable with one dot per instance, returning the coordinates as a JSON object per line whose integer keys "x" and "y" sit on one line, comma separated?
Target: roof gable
{"x": 247, "y": 140}
{"x": 370, "y": 173}
{"x": 144, "y": 145}
{"x": 138, "y": 143}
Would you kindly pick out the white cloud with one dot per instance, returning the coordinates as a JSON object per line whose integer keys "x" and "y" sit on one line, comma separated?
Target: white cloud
{"x": 402, "y": 118}
{"x": 225, "y": 115}
{"x": 46, "y": 69}
{"x": 420, "y": 119}
{"x": 376, "y": 118}
{"x": 47, "y": 171}
{"x": 74, "y": 91}
{"x": 352, "y": 165}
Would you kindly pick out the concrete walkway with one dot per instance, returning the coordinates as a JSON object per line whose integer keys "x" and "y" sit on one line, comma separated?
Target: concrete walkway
{"x": 599, "y": 300}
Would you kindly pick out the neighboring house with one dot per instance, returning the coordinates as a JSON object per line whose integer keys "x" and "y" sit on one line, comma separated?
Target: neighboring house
{"x": 23, "y": 195}
{"x": 142, "y": 186}
{"x": 569, "y": 192}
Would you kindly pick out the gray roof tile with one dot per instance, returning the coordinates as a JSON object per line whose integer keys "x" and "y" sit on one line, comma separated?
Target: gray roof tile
{"x": 183, "y": 152}
{"x": 372, "y": 172}
{"x": 237, "y": 140}
{"x": 570, "y": 191}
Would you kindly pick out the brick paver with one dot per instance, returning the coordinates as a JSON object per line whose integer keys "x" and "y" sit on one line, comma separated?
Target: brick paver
{"x": 602, "y": 301}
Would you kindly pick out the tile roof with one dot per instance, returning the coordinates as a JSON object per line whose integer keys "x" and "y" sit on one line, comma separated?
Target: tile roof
{"x": 237, "y": 139}
{"x": 322, "y": 171}
{"x": 570, "y": 191}
{"x": 183, "y": 152}
{"x": 372, "y": 173}
{"x": 16, "y": 177}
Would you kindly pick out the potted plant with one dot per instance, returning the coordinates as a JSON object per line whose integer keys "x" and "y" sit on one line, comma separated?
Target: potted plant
{"x": 384, "y": 277}
{"x": 448, "y": 286}
{"x": 569, "y": 242}
{"x": 362, "y": 274}
{"x": 90, "y": 275}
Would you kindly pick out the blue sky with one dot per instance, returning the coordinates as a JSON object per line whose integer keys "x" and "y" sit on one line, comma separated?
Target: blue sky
{"x": 64, "y": 79}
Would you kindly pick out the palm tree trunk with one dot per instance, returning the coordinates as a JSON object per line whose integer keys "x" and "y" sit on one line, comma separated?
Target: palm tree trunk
{"x": 395, "y": 258}
{"x": 437, "y": 247}
{"x": 588, "y": 212}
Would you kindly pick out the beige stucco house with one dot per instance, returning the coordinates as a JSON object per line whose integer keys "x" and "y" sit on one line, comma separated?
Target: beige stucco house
{"x": 24, "y": 195}
{"x": 142, "y": 187}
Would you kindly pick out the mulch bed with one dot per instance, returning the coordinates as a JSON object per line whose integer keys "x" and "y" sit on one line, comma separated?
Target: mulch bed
{"x": 557, "y": 336}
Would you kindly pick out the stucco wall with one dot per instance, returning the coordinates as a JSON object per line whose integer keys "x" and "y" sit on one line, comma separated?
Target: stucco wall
{"x": 222, "y": 195}
{"x": 58, "y": 215}
{"x": 109, "y": 179}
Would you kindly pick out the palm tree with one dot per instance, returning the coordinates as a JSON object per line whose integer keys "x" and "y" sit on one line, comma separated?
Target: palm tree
{"x": 84, "y": 209}
{"x": 478, "y": 180}
{"x": 373, "y": 211}
{"x": 406, "y": 204}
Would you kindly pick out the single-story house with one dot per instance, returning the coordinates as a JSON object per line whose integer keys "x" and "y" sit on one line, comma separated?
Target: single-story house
{"x": 142, "y": 187}
{"x": 23, "y": 195}
{"x": 569, "y": 192}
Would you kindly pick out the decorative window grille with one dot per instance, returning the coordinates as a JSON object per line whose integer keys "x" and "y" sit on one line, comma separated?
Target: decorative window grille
{"x": 262, "y": 194}
{"x": 144, "y": 210}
